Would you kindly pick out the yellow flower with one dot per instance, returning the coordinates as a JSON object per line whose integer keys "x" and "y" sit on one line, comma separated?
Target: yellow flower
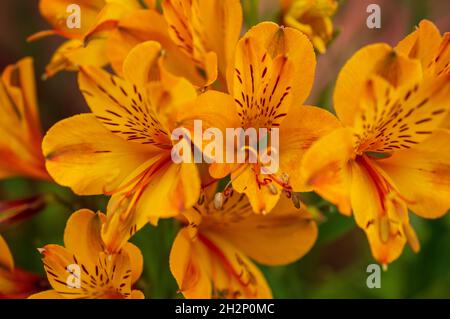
{"x": 124, "y": 148}
{"x": 198, "y": 36}
{"x": 270, "y": 78}
{"x": 20, "y": 131}
{"x": 85, "y": 45}
{"x": 14, "y": 283}
{"x": 391, "y": 152}
{"x": 312, "y": 17}
{"x": 211, "y": 256}
{"x": 83, "y": 269}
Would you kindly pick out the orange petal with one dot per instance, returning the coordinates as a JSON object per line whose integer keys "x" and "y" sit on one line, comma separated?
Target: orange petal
{"x": 283, "y": 236}
{"x": 88, "y": 245}
{"x": 428, "y": 165}
{"x": 301, "y": 128}
{"x": 376, "y": 59}
{"x": 90, "y": 166}
{"x": 325, "y": 167}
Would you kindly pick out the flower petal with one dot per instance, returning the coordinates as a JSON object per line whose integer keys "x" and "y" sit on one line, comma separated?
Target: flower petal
{"x": 131, "y": 31}
{"x": 88, "y": 246}
{"x": 376, "y": 59}
{"x": 325, "y": 167}
{"x": 186, "y": 265}
{"x": 90, "y": 166}
{"x": 283, "y": 236}
{"x": 262, "y": 198}
{"x": 211, "y": 267}
{"x": 301, "y": 128}
{"x": 136, "y": 261}
{"x": 171, "y": 191}
{"x": 289, "y": 42}
{"x": 428, "y": 166}
{"x": 122, "y": 107}
{"x": 422, "y": 44}
{"x": 47, "y": 294}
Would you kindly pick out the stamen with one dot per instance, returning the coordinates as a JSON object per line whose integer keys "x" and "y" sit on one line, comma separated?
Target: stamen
{"x": 218, "y": 201}
{"x": 296, "y": 200}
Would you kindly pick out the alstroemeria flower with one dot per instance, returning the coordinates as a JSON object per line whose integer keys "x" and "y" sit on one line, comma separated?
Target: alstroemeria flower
{"x": 85, "y": 45}
{"x": 312, "y": 17}
{"x": 124, "y": 148}
{"x": 198, "y": 36}
{"x": 15, "y": 283}
{"x": 211, "y": 256}
{"x": 20, "y": 131}
{"x": 271, "y": 76}
{"x": 84, "y": 269}
{"x": 391, "y": 155}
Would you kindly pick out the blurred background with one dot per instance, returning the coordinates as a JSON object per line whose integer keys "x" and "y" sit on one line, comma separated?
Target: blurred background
{"x": 336, "y": 266}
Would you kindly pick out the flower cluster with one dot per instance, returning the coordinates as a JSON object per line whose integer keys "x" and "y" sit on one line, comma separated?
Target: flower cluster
{"x": 183, "y": 61}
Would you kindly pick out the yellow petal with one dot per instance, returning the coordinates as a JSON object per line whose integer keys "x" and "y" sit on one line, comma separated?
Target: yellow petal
{"x": 292, "y": 43}
{"x": 137, "y": 294}
{"x": 90, "y": 166}
{"x": 189, "y": 35}
{"x": 167, "y": 93}
{"x": 220, "y": 22}
{"x": 211, "y": 267}
{"x": 262, "y": 86}
{"x": 82, "y": 234}
{"x": 233, "y": 274}
{"x": 187, "y": 267}
{"x": 55, "y": 12}
{"x": 136, "y": 261}
{"x": 397, "y": 119}
{"x": 171, "y": 191}
{"x": 108, "y": 276}
{"x": 366, "y": 203}
{"x": 118, "y": 104}
{"x": 282, "y": 237}
{"x": 389, "y": 250}
{"x": 131, "y": 31}
{"x": 325, "y": 167}
{"x": 428, "y": 165}
{"x": 47, "y": 294}
{"x": 300, "y": 129}
{"x": 141, "y": 65}
{"x": 422, "y": 44}
{"x": 262, "y": 198}
{"x": 215, "y": 110}
{"x": 376, "y": 59}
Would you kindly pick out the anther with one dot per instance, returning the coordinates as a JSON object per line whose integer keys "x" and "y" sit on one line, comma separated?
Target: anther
{"x": 218, "y": 201}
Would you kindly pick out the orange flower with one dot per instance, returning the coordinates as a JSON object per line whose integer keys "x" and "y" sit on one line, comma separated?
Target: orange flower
{"x": 391, "y": 152}
{"x": 20, "y": 132}
{"x": 84, "y": 269}
{"x": 130, "y": 156}
{"x": 210, "y": 257}
{"x": 198, "y": 36}
{"x": 271, "y": 76}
